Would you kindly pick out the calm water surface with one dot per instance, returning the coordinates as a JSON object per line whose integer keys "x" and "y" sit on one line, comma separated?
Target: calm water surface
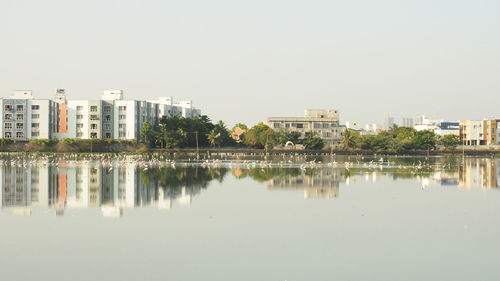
{"x": 284, "y": 218}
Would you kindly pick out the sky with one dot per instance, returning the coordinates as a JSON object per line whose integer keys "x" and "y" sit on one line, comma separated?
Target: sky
{"x": 243, "y": 61}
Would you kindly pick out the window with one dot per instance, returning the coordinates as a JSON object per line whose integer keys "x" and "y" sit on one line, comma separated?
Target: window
{"x": 79, "y": 116}
{"x": 107, "y": 117}
{"x": 35, "y": 134}
{"x": 123, "y": 117}
{"x": 317, "y": 125}
{"x": 107, "y": 135}
{"x": 20, "y": 135}
{"x": 8, "y": 125}
{"x": 8, "y": 116}
{"x": 121, "y": 126}
{"x": 93, "y": 135}
{"x": 94, "y": 117}
{"x": 35, "y": 125}
{"x": 35, "y": 116}
{"x": 93, "y": 126}
{"x": 8, "y": 135}
{"x": 107, "y": 108}
{"x": 79, "y": 125}
{"x": 326, "y": 125}
{"x": 35, "y": 107}
{"x": 20, "y": 107}
{"x": 122, "y": 108}
{"x": 122, "y": 134}
{"x": 79, "y": 107}
{"x": 8, "y": 107}
{"x": 276, "y": 125}
{"x": 20, "y": 117}
{"x": 287, "y": 125}
{"x": 93, "y": 108}
{"x": 300, "y": 126}
{"x": 19, "y": 126}
{"x": 79, "y": 134}
{"x": 107, "y": 126}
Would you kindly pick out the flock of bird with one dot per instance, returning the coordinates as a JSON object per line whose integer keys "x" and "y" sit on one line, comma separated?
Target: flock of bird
{"x": 150, "y": 161}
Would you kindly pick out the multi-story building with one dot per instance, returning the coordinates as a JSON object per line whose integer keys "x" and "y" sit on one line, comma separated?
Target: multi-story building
{"x": 447, "y": 128}
{"x": 324, "y": 124}
{"x": 166, "y": 107}
{"x": 111, "y": 117}
{"x": 406, "y": 122}
{"x": 388, "y": 122}
{"x": 24, "y": 117}
{"x": 480, "y": 132}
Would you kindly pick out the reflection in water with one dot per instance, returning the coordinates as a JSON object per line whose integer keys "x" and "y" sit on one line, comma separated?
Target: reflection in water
{"x": 317, "y": 183}
{"x": 117, "y": 185}
{"x": 95, "y": 186}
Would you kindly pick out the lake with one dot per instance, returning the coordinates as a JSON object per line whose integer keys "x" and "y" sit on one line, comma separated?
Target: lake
{"x": 156, "y": 217}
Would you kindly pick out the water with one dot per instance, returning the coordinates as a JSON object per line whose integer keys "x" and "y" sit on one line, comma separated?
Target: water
{"x": 103, "y": 217}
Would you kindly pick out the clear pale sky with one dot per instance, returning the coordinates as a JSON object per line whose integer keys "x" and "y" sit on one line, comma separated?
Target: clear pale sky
{"x": 244, "y": 61}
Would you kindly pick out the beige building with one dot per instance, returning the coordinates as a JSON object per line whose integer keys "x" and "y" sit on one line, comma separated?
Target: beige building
{"x": 480, "y": 132}
{"x": 324, "y": 124}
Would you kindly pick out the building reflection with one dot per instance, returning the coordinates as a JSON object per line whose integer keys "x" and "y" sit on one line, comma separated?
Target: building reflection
{"x": 321, "y": 183}
{"x": 110, "y": 188}
{"x": 480, "y": 172}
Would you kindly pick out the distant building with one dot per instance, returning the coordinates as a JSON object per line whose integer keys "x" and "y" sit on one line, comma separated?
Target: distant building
{"x": 324, "y": 124}
{"x": 388, "y": 122}
{"x": 354, "y": 125}
{"x": 447, "y": 128}
{"x": 406, "y": 122}
{"x": 371, "y": 129}
{"x": 426, "y": 123}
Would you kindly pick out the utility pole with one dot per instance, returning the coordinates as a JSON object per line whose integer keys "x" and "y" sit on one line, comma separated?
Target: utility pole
{"x": 197, "y": 149}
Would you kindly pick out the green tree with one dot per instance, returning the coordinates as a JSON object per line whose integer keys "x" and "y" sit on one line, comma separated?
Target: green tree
{"x": 311, "y": 141}
{"x": 349, "y": 139}
{"x": 284, "y": 136}
{"x": 225, "y": 138}
{"x": 240, "y": 125}
{"x": 260, "y": 136}
{"x": 425, "y": 140}
{"x": 213, "y": 137}
{"x": 450, "y": 141}
{"x": 147, "y": 132}
{"x": 403, "y": 138}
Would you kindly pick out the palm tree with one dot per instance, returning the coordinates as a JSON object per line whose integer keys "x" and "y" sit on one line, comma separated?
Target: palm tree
{"x": 212, "y": 137}
{"x": 348, "y": 139}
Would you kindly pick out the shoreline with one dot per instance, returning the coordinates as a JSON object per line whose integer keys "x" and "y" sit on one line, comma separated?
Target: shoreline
{"x": 235, "y": 151}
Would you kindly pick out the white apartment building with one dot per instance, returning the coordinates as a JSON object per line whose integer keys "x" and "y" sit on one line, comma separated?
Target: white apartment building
{"x": 111, "y": 117}
{"x": 166, "y": 107}
{"x": 322, "y": 123}
{"x": 24, "y": 117}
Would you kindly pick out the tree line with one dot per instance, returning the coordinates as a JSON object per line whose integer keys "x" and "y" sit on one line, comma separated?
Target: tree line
{"x": 179, "y": 132}
{"x": 397, "y": 139}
